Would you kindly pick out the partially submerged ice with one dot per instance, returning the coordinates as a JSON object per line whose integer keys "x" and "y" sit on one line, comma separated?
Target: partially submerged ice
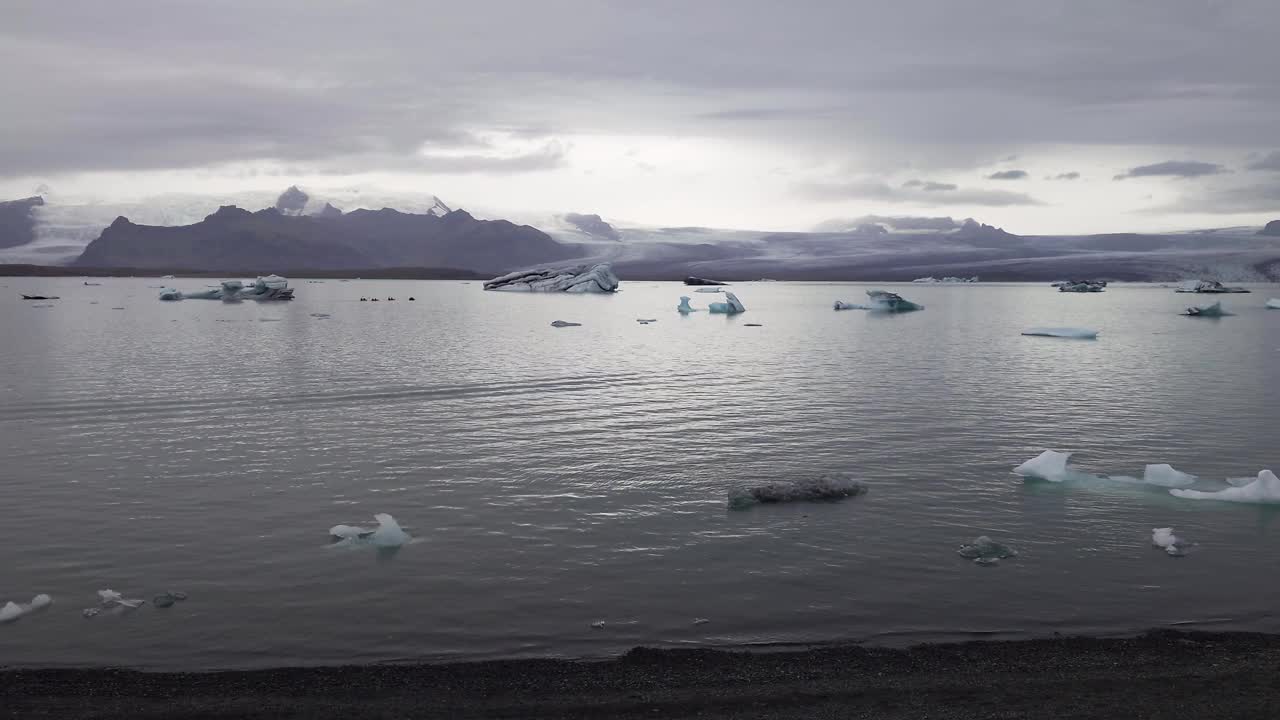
{"x": 822, "y": 487}
{"x": 881, "y": 301}
{"x": 1212, "y": 311}
{"x": 1062, "y": 332}
{"x": 1048, "y": 465}
{"x": 985, "y": 551}
{"x": 731, "y": 305}
{"x": 684, "y": 308}
{"x": 842, "y": 305}
{"x": 1172, "y": 544}
{"x": 1265, "y": 489}
{"x": 110, "y": 599}
{"x": 387, "y": 534}
{"x": 12, "y": 611}
{"x": 1164, "y": 475}
{"x": 572, "y": 279}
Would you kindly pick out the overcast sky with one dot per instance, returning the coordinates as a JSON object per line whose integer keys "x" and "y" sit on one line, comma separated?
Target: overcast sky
{"x": 1036, "y": 115}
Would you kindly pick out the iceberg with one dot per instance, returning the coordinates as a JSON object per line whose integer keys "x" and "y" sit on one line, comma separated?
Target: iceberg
{"x": 564, "y": 323}
{"x": 684, "y": 308}
{"x": 1211, "y": 287}
{"x": 822, "y": 487}
{"x": 1172, "y": 544}
{"x": 167, "y": 599}
{"x": 1082, "y": 286}
{"x": 842, "y": 305}
{"x": 388, "y": 533}
{"x": 573, "y": 279}
{"x": 269, "y": 288}
{"x": 108, "y": 599}
{"x": 1211, "y": 311}
{"x": 985, "y": 551}
{"x": 883, "y": 301}
{"x": 170, "y": 294}
{"x": 1165, "y": 476}
{"x": 12, "y": 610}
{"x": 1273, "y": 304}
{"x": 1048, "y": 465}
{"x": 1062, "y": 332}
{"x": 731, "y": 305}
{"x": 1265, "y": 489}
{"x": 930, "y": 279}
{"x": 691, "y": 280}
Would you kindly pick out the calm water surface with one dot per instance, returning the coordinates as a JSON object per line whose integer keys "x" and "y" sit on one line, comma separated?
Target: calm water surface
{"x": 554, "y": 478}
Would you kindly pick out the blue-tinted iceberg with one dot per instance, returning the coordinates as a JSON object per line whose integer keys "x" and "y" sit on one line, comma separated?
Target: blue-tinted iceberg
{"x": 731, "y": 305}
{"x": 387, "y": 534}
{"x": 1062, "y": 332}
{"x": 822, "y": 487}
{"x": 684, "y": 308}
{"x": 12, "y": 611}
{"x": 573, "y": 279}
{"x": 1265, "y": 489}
{"x": 985, "y": 551}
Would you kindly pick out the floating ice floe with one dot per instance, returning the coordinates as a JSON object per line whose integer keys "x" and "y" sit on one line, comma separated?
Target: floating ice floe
{"x": 167, "y": 599}
{"x": 1264, "y": 489}
{"x": 822, "y": 487}
{"x": 564, "y": 323}
{"x": 387, "y": 534}
{"x": 985, "y": 551}
{"x": 1170, "y": 543}
{"x": 684, "y": 308}
{"x": 1055, "y": 467}
{"x": 1081, "y": 286}
{"x": 1165, "y": 476}
{"x": 573, "y": 279}
{"x": 731, "y": 305}
{"x": 1048, "y": 465}
{"x": 1214, "y": 310}
{"x": 1062, "y": 332}
{"x": 1273, "y": 304}
{"x": 12, "y": 611}
{"x": 109, "y": 599}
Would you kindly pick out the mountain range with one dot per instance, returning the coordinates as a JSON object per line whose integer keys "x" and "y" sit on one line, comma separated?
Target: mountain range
{"x": 299, "y": 233}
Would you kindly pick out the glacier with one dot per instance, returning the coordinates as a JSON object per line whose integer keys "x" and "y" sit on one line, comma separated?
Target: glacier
{"x": 1062, "y": 332}
{"x": 597, "y": 278}
{"x": 821, "y": 487}
{"x": 1264, "y": 489}
{"x": 684, "y": 308}
{"x": 12, "y": 610}
{"x": 985, "y": 551}
{"x": 731, "y": 305}
{"x": 388, "y": 534}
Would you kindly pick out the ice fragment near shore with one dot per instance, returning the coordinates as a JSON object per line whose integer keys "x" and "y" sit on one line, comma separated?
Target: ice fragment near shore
{"x": 1264, "y": 489}
{"x": 822, "y": 487}
{"x": 985, "y": 551}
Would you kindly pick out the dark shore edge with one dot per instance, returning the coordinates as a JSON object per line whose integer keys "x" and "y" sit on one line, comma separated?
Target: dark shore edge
{"x": 1160, "y": 674}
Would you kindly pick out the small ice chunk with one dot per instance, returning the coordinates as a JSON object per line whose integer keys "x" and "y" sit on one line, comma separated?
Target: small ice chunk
{"x": 1273, "y": 304}
{"x": 731, "y": 305}
{"x": 387, "y": 534}
{"x": 598, "y": 625}
{"x": 1172, "y": 544}
{"x": 1165, "y": 476}
{"x": 700, "y": 621}
{"x": 12, "y": 610}
{"x": 985, "y": 551}
{"x": 170, "y": 294}
{"x": 842, "y": 305}
{"x": 347, "y": 532}
{"x": 111, "y": 598}
{"x": 1048, "y": 465}
{"x": 821, "y": 487}
{"x": 319, "y": 315}
{"x": 564, "y": 323}
{"x": 163, "y": 600}
{"x": 1062, "y": 332}
{"x": 1264, "y": 489}
{"x": 1214, "y": 310}
{"x": 709, "y": 290}
{"x": 684, "y": 308}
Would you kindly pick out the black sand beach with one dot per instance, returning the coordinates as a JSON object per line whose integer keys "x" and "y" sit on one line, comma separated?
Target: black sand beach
{"x": 1159, "y": 675}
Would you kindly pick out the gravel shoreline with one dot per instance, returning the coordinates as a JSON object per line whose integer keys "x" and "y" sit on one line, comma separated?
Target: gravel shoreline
{"x": 1162, "y": 674}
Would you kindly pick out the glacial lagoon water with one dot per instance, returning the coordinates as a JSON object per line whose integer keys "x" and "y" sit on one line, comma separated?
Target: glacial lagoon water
{"x": 558, "y": 478}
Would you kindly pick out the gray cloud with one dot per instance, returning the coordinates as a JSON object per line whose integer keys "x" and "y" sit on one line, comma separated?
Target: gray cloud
{"x": 929, "y": 185}
{"x": 1261, "y": 197}
{"x": 1270, "y": 161}
{"x": 1073, "y": 175}
{"x": 1008, "y": 175}
{"x": 913, "y": 192}
{"x": 896, "y": 222}
{"x": 1173, "y": 168}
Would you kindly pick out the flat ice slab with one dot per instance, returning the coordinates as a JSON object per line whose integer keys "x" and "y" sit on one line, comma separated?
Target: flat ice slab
{"x": 1265, "y": 489}
{"x": 1062, "y": 332}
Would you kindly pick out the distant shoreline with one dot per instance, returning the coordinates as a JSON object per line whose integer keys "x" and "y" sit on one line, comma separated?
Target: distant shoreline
{"x": 1163, "y": 674}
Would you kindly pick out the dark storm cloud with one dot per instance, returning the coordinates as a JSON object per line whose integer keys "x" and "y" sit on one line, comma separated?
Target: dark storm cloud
{"x": 1073, "y": 175}
{"x": 915, "y": 192}
{"x": 1270, "y": 161}
{"x": 1173, "y": 168}
{"x": 1008, "y": 175}
{"x": 118, "y": 85}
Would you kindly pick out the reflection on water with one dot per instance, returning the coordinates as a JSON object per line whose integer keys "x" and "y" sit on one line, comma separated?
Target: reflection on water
{"x": 553, "y": 478}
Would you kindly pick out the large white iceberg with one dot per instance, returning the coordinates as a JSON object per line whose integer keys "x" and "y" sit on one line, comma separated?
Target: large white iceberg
{"x": 1265, "y": 489}
{"x": 1048, "y": 465}
{"x": 1062, "y": 332}
{"x": 731, "y": 305}
{"x": 12, "y": 610}
{"x": 573, "y": 279}
{"x": 387, "y": 534}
